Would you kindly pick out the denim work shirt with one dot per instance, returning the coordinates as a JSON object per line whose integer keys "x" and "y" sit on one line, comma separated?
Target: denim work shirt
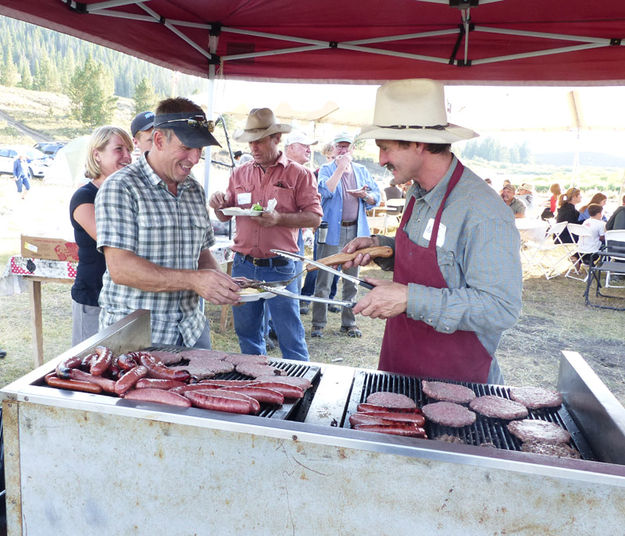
{"x": 478, "y": 252}
{"x": 135, "y": 211}
{"x": 332, "y": 202}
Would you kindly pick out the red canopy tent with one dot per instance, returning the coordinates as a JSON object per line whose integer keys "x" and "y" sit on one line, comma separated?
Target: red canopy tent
{"x": 457, "y": 41}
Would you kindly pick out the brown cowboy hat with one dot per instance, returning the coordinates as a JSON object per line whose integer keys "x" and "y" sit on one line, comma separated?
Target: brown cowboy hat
{"x": 260, "y": 123}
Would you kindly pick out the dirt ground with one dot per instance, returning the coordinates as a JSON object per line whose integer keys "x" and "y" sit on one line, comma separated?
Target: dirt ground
{"x": 554, "y": 317}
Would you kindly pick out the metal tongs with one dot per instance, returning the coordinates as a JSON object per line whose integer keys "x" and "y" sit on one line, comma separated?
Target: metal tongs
{"x": 340, "y": 258}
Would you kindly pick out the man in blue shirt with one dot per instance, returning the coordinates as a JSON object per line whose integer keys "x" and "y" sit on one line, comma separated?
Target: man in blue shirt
{"x": 21, "y": 174}
{"x": 347, "y": 192}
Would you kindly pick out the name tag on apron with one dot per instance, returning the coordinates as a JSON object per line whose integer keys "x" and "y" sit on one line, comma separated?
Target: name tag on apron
{"x": 244, "y": 198}
{"x": 427, "y": 234}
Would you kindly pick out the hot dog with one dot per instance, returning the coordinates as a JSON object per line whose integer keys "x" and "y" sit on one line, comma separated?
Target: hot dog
{"x": 157, "y": 383}
{"x": 106, "y": 384}
{"x": 129, "y": 379}
{"x": 104, "y": 357}
{"x": 54, "y": 381}
{"x": 287, "y": 390}
{"x": 372, "y": 408}
{"x": 262, "y": 394}
{"x": 401, "y": 429}
{"x": 62, "y": 369}
{"x": 218, "y": 400}
{"x": 194, "y": 387}
{"x": 386, "y": 418}
{"x": 156, "y": 370}
{"x": 158, "y": 396}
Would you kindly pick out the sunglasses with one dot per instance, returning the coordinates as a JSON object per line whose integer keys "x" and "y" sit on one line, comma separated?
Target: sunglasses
{"x": 196, "y": 122}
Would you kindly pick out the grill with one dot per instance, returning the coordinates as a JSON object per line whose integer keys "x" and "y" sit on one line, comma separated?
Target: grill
{"x": 485, "y": 431}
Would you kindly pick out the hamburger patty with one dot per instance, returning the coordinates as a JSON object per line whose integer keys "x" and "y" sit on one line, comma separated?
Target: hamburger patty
{"x": 236, "y": 359}
{"x": 256, "y": 369}
{"x": 449, "y": 392}
{"x": 448, "y": 414}
{"x": 206, "y": 367}
{"x": 391, "y": 400}
{"x": 498, "y": 407}
{"x": 561, "y": 450}
{"x": 536, "y": 397}
{"x": 534, "y": 430}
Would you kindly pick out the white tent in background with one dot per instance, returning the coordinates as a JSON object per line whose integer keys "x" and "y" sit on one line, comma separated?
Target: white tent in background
{"x": 68, "y": 166}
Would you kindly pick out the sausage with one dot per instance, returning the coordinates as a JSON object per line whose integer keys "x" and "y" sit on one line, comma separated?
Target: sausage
{"x": 88, "y": 359}
{"x": 218, "y": 400}
{"x": 129, "y": 379}
{"x": 158, "y": 396}
{"x": 106, "y": 384}
{"x": 227, "y": 383}
{"x": 262, "y": 394}
{"x": 373, "y": 408}
{"x": 401, "y": 429}
{"x": 157, "y": 383}
{"x": 127, "y": 362}
{"x": 54, "y": 381}
{"x": 194, "y": 387}
{"x": 156, "y": 370}
{"x": 101, "y": 363}
{"x": 62, "y": 369}
{"x": 386, "y": 418}
{"x": 287, "y": 390}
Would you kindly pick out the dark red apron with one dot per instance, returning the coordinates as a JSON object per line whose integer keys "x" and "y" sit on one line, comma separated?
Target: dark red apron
{"x": 414, "y": 348}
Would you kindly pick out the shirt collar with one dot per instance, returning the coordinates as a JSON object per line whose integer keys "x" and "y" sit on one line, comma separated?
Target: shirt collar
{"x": 154, "y": 179}
{"x": 434, "y": 197}
{"x": 282, "y": 159}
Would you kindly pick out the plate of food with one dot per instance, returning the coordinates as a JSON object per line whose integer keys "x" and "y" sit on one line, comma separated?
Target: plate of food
{"x": 255, "y": 210}
{"x": 254, "y": 294}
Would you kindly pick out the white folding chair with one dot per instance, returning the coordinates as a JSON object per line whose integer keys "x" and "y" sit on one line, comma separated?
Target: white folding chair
{"x": 578, "y": 266}
{"x": 614, "y": 241}
{"x": 539, "y": 251}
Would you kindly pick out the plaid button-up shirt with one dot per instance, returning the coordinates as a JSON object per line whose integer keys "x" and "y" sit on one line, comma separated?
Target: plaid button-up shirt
{"x": 136, "y": 212}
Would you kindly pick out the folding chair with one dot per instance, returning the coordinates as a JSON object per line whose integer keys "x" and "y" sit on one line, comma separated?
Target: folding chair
{"x": 578, "y": 265}
{"x": 540, "y": 252}
{"x": 609, "y": 261}
{"x": 614, "y": 241}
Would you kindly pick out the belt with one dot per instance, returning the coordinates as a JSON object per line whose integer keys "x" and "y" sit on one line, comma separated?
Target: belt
{"x": 348, "y": 223}
{"x": 271, "y": 261}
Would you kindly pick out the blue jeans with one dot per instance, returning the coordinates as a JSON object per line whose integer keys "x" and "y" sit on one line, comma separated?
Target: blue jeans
{"x": 23, "y": 180}
{"x": 248, "y": 317}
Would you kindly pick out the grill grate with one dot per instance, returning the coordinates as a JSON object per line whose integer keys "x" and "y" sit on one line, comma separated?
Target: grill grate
{"x": 484, "y": 431}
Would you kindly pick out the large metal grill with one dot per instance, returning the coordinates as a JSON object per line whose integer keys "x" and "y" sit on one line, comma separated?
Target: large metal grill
{"x": 485, "y": 431}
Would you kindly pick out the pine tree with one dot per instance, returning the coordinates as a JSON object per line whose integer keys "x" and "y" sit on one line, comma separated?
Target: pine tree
{"x": 9, "y": 75}
{"x": 91, "y": 94}
{"x": 145, "y": 97}
{"x": 26, "y": 78}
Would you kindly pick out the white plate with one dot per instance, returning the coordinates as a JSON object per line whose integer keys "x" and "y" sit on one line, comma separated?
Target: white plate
{"x": 256, "y": 296}
{"x": 237, "y": 211}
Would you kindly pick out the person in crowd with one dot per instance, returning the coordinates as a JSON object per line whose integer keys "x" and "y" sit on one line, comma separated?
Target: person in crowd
{"x": 457, "y": 269}
{"x": 589, "y": 245}
{"x": 347, "y": 192}
{"x": 141, "y": 129}
{"x": 21, "y": 172}
{"x": 597, "y": 199}
{"x": 270, "y": 176}
{"x": 617, "y": 220}
{"x": 392, "y": 191}
{"x": 550, "y": 210}
{"x": 109, "y": 150}
{"x": 153, "y": 228}
{"x": 508, "y": 195}
{"x": 568, "y": 213}
{"x": 525, "y": 193}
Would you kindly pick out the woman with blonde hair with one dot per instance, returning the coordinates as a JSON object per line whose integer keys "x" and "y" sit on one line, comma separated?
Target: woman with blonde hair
{"x": 567, "y": 211}
{"x": 109, "y": 149}
{"x": 597, "y": 199}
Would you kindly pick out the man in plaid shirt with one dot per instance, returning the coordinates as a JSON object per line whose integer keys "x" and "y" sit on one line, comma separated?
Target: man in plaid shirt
{"x": 154, "y": 230}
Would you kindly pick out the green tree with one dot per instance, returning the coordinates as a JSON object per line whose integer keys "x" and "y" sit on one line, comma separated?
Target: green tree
{"x": 91, "y": 94}
{"x": 26, "y": 80}
{"x": 9, "y": 75}
{"x": 145, "y": 97}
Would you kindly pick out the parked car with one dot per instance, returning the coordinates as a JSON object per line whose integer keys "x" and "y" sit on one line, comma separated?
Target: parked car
{"x": 37, "y": 161}
{"x": 49, "y": 148}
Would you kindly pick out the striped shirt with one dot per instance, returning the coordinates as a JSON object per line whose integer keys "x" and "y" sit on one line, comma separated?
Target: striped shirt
{"x": 479, "y": 259}
{"x": 136, "y": 212}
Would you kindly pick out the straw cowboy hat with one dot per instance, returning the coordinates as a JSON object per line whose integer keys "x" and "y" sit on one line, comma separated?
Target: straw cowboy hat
{"x": 260, "y": 123}
{"x": 413, "y": 110}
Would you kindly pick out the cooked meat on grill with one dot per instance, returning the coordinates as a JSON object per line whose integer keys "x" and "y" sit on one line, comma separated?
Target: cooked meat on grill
{"x": 447, "y": 438}
{"x": 198, "y": 353}
{"x": 256, "y": 369}
{"x": 498, "y": 407}
{"x": 561, "y": 450}
{"x": 388, "y": 417}
{"x": 302, "y": 383}
{"x": 448, "y": 414}
{"x": 166, "y": 357}
{"x": 536, "y": 397}
{"x": 543, "y": 431}
{"x": 206, "y": 367}
{"x": 236, "y": 359}
{"x": 391, "y": 400}
{"x": 447, "y": 392}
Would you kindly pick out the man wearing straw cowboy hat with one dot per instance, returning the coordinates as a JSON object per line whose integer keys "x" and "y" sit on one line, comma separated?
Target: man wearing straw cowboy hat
{"x": 270, "y": 176}
{"x": 457, "y": 272}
